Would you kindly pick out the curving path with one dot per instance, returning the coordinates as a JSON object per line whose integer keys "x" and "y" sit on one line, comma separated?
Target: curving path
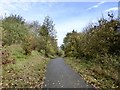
{"x": 60, "y": 75}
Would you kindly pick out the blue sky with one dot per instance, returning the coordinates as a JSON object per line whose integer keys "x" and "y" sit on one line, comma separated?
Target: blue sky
{"x": 66, "y": 15}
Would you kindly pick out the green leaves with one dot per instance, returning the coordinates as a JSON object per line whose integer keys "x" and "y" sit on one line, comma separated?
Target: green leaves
{"x": 100, "y": 39}
{"x": 47, "y": 35}
{"x": 30, "y": 35}
{"x": 98, "y": 47}
{"x": 14, "y": 29}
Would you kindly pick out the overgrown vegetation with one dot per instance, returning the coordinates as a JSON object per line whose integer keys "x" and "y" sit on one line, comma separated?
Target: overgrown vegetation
{"x": 96, "y": 52}
{"x": 27, "y": 71}
{"x": 29, "y": 35}
{"x": 26, "y": 49}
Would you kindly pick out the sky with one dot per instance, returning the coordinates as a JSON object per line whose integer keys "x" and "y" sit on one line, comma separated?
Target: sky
{"x": 66, "y": 15}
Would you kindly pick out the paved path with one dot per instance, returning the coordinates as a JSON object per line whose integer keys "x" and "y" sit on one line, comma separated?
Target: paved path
{"x": 60, "y": 75}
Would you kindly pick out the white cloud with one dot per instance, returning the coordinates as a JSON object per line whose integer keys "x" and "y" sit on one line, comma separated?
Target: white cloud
{"x": 18, "y": 6}
{"x": 8, "y": 7}
{"x": 96, "y": 6}
{"x": 112, "y": 9}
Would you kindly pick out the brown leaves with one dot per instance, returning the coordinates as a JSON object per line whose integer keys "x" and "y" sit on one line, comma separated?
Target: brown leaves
{"x": 6, "y": 58}
{"x": 23, "y": 74}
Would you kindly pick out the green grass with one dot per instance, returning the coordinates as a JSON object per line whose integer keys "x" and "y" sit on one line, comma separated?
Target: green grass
{"x": 28, "y": 71}
{"x": 96, "y": 74}
{"x": 17, "y": 52}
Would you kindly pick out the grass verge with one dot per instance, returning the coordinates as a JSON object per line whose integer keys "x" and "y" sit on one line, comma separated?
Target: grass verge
{"x": 26, "y": 72}
{"x": 95, "y": 74}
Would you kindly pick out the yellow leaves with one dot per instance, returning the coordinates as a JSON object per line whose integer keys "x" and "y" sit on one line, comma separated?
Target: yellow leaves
{"x": 29, "y": 78}
{"x": 6, "y": 85}
{"x": 32, "y": 65}
{"x": 91, "y": 79}
{"x": 8, "y": 71}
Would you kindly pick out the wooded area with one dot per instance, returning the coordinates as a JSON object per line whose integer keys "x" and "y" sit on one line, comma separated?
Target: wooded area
{"x": 95, "y": 52}
{"x": 26, "y": 49}
{"x": 31, "y": 36}
{"x": 99, "y": 46}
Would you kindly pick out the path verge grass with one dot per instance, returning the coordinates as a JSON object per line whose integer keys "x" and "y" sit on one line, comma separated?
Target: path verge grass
{"x": 26, "y": 72}
{"x": 95, "y": 74}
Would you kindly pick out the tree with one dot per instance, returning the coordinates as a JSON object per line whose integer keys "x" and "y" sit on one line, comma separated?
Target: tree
{"x": 14, "y": 29}
{"x": 30, "y": 43}
{"x": 44, "y": 34}
{"x": 71, "y": 44}
{"x": 95, "y": 40}
{"x": 48, "y": 34}
{"x": 48, "y": 23}
{"x": 34, "y": 27}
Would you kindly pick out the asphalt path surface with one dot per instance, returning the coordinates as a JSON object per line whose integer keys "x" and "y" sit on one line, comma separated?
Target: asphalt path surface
{"x": 61, "y": 75}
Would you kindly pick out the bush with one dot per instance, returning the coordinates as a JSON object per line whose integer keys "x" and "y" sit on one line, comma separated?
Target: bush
{"x": 29, "y": 44}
